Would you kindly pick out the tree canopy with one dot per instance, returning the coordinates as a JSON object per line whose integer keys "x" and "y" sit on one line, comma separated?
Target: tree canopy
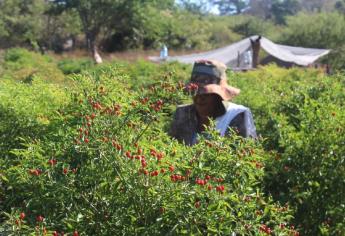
{"x": 115, "y": 25}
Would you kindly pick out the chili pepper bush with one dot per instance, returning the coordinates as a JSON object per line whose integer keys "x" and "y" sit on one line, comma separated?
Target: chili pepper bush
{"x": 94, "y": 157}
{"x": 105, "y": 166}
{"x": 300, "y": 112}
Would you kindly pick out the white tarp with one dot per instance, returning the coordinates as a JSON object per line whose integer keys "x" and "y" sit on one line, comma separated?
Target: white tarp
{"x": 239, "y": 54}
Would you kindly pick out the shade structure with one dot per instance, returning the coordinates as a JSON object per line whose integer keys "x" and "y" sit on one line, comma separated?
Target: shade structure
{"x": 239, "y": 54}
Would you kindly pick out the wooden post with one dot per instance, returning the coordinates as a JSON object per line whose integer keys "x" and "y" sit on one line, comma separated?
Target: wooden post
{"x": 256, "y": 49}
{"x": 238, "y": 59}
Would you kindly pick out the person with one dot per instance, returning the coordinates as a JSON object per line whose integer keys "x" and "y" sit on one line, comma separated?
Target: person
{"x": 211, "y": 101}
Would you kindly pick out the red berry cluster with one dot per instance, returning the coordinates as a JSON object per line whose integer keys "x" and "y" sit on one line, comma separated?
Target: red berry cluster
{"x": 158, "y": 155}
{"x": 39, "y": 218}
{"x": 21, "y": 218}
{"x": 96, "y": 105}
{"x": 154, "y": 173}
{"x": 52, "y": 162}
{"x": 84, "y": 133}
{"x": 197, "y": 204}
{"x": 168, "y": 87}
{"x": 220, "y": 188}
{"x": 192, "y": 87}
{"x": 201, "y": 181}
{"x": 258, "y": 165}
{"x": 35, "y": 172}
{"x": 176, "y": 178}
{"x": 157, "y": 106}
{"x": 171, "y": 168}
{"x": 116, "y": 145}
{"x": 112, "y": 110}
{"x": 282, "y": 225}
{"x": 144, "y": 100}
{"x": 66, "y": 170}
{"x": 264, "y": 228}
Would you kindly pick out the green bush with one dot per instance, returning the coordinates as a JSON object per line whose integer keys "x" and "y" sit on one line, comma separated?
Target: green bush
{"x": 105, "y": 166}
{"x": 300, "y": 113}
{"x": 319, "y": 30}
{"x": 74, "y": 66}
{"x": 96, "y": 166}
{"x": 23, "y": 65}
{"x": 26, "y": 111}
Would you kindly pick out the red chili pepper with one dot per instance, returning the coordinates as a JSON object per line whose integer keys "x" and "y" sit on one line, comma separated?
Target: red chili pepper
{"x": 39, "y": 218}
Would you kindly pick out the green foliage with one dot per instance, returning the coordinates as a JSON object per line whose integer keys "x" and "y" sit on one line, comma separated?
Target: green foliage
{"x": 90, "y": 158}
{"x": 23, "y": 65}
{"x": 25, "y": 111}
{"x": 230, "y": 6}
{"x": 281, "y": 9}
{"x": 59, "y": 28}
{"x": 106, "y": 166}
{"x": 320, "y": 30}
{"x": 74, "y": 66}
{"x": 200, "y": 7}
{"x": 340, "y": 6}
{"x": 180, "y": 35}
{"x": 117, "y": 25}
{"x": 21, "y": 22}
{"x": 249, "y": 25}
{"x": 301, "y": 115}
{"x": 336, "y": 58}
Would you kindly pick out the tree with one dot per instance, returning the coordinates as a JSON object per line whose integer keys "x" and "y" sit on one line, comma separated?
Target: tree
{"x": 22, "y": 22}
{"x": 121, "y": 17}
{"x": 340, "y": 6}
{"x": 312, "y": 5}
{"x": 317, "y": 30}
{"x": 95, "y": 15}
{"x": 260, "y": 8}
{"x": 283, "y": 8}
{"x": 230, "y": 6}
{"x": 201, "y": 7}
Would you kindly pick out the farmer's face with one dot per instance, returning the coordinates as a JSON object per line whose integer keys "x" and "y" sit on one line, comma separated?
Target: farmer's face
{"x": 206, "y": 104}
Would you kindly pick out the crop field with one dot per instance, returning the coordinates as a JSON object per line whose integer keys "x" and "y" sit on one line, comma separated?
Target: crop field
{"x": 84, "y": 150}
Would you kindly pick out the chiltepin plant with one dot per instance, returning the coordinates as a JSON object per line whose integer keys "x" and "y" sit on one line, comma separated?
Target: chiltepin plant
{"x": 301, "y": 115}
{"x": 111, "y": 169}
{"x": 95, "y": 158}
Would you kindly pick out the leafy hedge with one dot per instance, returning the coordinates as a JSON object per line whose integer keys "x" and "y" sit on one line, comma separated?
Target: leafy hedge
{"x": 301, "y": 115}
{"x": 23, "y": 65}
{"x": 104, "y": 165}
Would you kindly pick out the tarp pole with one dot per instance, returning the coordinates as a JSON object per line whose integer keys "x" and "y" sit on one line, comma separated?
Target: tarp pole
{"x": 238, "y": 59}
{"x": 256, "y": 50}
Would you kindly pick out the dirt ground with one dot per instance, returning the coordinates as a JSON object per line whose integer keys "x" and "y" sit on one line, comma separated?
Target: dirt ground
{"x": 131, "y": 55}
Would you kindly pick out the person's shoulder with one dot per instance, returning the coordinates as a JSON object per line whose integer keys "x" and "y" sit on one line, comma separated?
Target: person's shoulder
{"x": 232, "y": 106}
{"x": 242, "y": 121}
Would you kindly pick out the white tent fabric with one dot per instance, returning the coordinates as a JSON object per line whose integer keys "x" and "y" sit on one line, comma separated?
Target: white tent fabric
{"x": 239, "y": 54}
